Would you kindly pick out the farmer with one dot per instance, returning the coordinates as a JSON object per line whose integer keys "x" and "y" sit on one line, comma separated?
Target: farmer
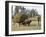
{"x": 38, "y": 20}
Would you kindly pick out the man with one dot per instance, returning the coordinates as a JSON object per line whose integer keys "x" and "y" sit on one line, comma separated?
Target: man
{"x": 38, "y": 19}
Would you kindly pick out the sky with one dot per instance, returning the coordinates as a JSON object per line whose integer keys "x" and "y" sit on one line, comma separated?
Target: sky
{"x": 38, "y": 9}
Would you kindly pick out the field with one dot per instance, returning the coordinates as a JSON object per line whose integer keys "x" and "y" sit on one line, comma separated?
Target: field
{"x": 33, "y": 26}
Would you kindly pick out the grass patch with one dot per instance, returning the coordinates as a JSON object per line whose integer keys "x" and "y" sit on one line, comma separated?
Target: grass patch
{"x": 33, "y": 26}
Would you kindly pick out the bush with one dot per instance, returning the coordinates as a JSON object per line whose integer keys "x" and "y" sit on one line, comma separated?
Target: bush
{"x": 19, "y": 17}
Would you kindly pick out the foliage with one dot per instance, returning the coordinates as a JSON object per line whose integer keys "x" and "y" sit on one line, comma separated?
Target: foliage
{"x": 33, "y": 13}
{"x": 19, "y": 17}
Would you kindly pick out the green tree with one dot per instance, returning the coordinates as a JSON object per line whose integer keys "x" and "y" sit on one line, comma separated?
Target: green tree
{"x": 33, "y": 13}
{"x": 19, "y": 17}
